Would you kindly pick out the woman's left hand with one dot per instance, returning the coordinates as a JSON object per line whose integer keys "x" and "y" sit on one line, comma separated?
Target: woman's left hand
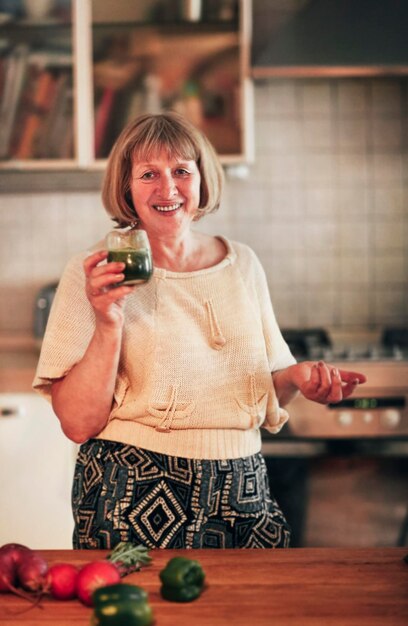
{"x": 324, "y": 383}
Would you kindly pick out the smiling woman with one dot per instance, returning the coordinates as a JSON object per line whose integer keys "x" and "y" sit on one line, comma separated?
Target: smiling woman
{"x": 166, "y": 384}
{"x": 146, "y": 138}
{"x": 166, "y": 193}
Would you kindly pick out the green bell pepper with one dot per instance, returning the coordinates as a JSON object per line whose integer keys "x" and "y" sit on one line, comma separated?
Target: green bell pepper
{"x": 182, "y": 580}
{"x": 121, "y": 605}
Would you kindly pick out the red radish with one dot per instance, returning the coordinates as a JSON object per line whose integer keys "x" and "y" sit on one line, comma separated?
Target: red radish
{"x": 13, "y": 553}
{"x": 31, "y": 573}
{"x": 7, "y": 575}
{"x": 62, "y": 580}
{"x": 12, "y": 557}
{"x": 94, "y": 575}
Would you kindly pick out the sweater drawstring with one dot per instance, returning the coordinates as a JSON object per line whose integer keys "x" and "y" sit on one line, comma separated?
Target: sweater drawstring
{"x": 254, "y": 398}
{"x": 253, "y": 408}
{"x": 255, "y": 411}
{"x": 218, "y": 340}
{"x": 165, "y": 425}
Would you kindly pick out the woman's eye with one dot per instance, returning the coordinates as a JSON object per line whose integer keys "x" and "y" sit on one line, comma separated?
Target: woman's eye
{"x": 147, "y": 176}
{"x": 181, "y": 171}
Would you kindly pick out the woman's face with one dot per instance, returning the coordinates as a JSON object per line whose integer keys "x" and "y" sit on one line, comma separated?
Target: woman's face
{"x": 166, "y": 193}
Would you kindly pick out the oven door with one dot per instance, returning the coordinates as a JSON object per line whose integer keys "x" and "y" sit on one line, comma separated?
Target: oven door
{"x": 340, "y": 472}
{"x": 288, "y": 460}
{"x": 340, "y": 492}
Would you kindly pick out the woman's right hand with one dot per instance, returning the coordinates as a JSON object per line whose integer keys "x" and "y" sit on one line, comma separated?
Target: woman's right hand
{"x": 106, "y": 299}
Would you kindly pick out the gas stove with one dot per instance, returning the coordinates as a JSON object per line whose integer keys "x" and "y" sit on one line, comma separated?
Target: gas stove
{"x": 318, "y": 344}
{"x": 377, "y": 409}
{"x": 359, "y": 353}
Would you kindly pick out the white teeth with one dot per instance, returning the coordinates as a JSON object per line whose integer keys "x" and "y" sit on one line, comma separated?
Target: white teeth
{"x": 171, "y": 207}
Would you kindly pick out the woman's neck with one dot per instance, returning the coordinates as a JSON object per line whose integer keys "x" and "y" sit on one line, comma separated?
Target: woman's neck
{"x": 187, "y": 254}
{"x": 175, "y": 254}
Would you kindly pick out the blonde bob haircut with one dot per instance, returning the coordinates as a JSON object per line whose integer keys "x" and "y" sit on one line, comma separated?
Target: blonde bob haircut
{"x": 143, "y": 139}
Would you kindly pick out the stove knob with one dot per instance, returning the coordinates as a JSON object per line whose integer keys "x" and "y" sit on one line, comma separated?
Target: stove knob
{"x": 390, "y": 418}
{"x": 345, "y": 418}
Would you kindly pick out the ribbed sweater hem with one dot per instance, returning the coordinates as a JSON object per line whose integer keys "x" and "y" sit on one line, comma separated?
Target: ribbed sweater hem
{"x": 198, "y": 443}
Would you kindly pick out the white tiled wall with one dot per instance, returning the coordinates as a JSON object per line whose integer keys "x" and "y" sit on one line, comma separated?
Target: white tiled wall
{"x": 331, "y": 181}
{"x": 324, "y": 206}
{"x": 39, "y": 232}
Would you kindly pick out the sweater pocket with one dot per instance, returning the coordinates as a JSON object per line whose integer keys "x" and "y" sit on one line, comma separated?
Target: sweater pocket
{"x": 255, "y": 402}
{"x": 275, "y": 417}
{"x": 173, "y": 413}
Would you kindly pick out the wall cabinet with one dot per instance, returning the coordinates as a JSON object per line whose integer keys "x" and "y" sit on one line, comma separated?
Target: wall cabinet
{"x": 71, "y": 80}
{"x": 329, "y": 39}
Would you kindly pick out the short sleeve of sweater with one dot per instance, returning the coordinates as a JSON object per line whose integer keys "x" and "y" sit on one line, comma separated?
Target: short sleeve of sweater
{"x": 69, "y": 329}
{"x": 278, "y": 352}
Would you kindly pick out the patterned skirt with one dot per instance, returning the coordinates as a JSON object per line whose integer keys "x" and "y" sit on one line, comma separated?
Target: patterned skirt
{"x": 123, "y": 493}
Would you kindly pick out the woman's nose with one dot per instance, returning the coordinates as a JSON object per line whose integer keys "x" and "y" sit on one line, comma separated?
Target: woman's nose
{"x": 168, "y": 186}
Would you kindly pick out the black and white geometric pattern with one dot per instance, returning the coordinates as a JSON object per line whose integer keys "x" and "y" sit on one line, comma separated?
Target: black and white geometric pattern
{"x": 124, "y": 493}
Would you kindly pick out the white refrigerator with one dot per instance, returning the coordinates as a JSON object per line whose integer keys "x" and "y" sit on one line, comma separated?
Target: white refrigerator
{"x": 36, "y": 470}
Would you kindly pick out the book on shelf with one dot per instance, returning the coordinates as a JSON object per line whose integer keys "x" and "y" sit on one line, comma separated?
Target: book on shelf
{"x": 102, "y": 116}
{"x": 16, "y": 63}
{"x": 35, "y": 100}
{"x": 3, "y": 66}
{"x": 36, "y": 106}
{"x": 55, "y": 137}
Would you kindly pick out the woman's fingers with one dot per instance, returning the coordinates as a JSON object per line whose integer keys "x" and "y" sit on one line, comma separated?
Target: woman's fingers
{"x": 314, "y": 382}
{"x": 101, "y": 277}
{"x": 319, "y": 384}
{"x": 103, "y": 292}
{"x": 348, "y": 376}
{"x": 336, "y": 390}
{"x": 92, "y": 261}
{"x": 351, "y": 380}
{"x": 99, "y": 284}
{"x": 327, "y": 384}
{"x": 106, "y": 298}
{"x": 325, "y": 378}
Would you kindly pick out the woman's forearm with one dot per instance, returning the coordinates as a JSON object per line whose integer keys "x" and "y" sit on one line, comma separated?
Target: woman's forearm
{"x": 82, "y": 400}
{"x": 285, "y": 388}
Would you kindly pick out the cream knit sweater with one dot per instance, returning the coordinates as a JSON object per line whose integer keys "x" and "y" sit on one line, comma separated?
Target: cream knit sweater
{"x": 198, "y": 350}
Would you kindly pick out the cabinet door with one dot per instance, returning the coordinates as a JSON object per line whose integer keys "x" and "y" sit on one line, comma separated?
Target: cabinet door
{"x": 189, "y": 57}
{"x": 73, "y": 74}
{"x": 36, "y": 471}
{"x": 36, "y": 84}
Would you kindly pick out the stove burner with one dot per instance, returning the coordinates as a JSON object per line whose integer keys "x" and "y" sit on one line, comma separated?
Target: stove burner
{"x": 369, "y": 353}
{"x": 304, "y": 341}
{"x": 395, "y": 337}
{"x": 315, "y": 344}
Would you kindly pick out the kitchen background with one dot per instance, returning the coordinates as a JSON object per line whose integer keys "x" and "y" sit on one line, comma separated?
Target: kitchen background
{"x": 324, "y": 205}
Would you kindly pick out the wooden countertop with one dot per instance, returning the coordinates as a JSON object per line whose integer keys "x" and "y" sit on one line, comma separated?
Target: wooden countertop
{"x": 293, "y": 587}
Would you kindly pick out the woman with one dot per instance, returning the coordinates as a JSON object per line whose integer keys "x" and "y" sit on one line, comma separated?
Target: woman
{"x": 166, "y": 385}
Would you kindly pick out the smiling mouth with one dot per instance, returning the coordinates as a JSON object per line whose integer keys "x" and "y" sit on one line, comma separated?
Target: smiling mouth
{"x": 167, "y": 208}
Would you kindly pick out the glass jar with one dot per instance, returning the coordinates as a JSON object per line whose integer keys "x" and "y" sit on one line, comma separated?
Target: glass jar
{"x": 132, "y": 248}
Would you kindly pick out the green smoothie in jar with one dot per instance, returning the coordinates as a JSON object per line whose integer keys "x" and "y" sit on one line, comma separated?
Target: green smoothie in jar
{"x": 133, "y": 249}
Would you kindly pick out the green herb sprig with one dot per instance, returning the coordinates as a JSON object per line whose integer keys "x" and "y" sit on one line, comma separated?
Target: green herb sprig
{"x": 129, "y": 557}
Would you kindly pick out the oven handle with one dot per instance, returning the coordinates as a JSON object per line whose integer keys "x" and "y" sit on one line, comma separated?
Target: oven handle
{"x": 298, "y": 449}
{"x": 396, "y": 448}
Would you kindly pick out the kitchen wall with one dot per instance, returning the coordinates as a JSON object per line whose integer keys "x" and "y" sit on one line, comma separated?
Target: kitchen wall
{"x": 324, "y": 205}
